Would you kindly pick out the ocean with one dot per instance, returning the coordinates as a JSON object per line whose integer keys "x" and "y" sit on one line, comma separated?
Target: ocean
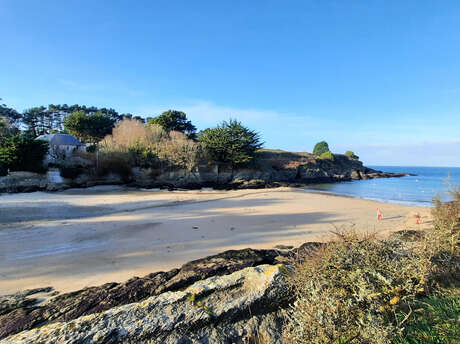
{"x": 411, "y": 190}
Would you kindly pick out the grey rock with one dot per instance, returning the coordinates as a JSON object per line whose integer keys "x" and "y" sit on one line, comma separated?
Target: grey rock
{"x": 24, "y": 314}
{"x": 235, "y": 308}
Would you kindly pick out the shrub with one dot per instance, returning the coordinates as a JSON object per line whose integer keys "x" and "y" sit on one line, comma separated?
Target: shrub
{"x": 150, "y": 146}
{"x": 91, "y": 148}
{"x": 446, "y": 215}
{"x": 3, "y": 169}
{"x": 351, "y": 155}
{"x": 173, "y": 120}
{"x": 442, "y": 243}
{"x": 348, "y": 291}
{"x": 327, "y": 156}
{"x": 230, "y": 143}
{"x": 23, "y": 153}
{"x": 320, "y": 148}
{"x": 116, "y": 163}
{"x": 179, "y": 151}
{"x": 70, "y": 172}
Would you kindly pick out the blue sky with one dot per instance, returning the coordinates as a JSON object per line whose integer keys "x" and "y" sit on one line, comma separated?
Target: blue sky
{"x": 379, "y": 77}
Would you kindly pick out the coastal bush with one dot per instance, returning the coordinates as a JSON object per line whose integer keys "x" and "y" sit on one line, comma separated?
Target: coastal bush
{"x": 351, "y": 154}
{"x": 91, "y": 148}
{"x": 150, "y": 146}
{"x": 116, "y": 164}
{"x": 349, "y": 290}
{"x": 70, "y": 172}
{"x": 89, "y": 127}
{"x": 327, "y": 156}
{"x": 180, "y": 151}
{"x": 23, "y": 153}
{"x": 173, "y": 120}
{"x": 230, "y": 143}
{"x": 3, "y": 169}
{"x": 320, "y": 148}
{"x": 443, "y": 241}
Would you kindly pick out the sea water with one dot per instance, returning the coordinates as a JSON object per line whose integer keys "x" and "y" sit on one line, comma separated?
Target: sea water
{"x": 428, "y": 183}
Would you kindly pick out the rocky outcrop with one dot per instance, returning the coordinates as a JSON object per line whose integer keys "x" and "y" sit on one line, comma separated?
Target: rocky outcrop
{"x": 19, "y": 312}
{"x": 238, "y": 296}
{"x": 271, "y": 170}
{"x": 245, "y": 306}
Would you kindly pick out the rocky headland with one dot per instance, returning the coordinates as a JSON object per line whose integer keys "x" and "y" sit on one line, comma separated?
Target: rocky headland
{"x": 271, "y": 169}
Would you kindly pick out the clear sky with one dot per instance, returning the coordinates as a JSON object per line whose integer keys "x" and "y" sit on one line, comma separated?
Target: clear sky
{"x": 379, "y": 77}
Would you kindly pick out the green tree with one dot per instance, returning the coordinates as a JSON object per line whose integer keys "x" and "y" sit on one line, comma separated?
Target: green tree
{"x": 352, "y": 155}
{"x": 173, "y": 120}
{"x": 230, "y": 143}
{"x": 91, "y": 127}
{"x": 22, "y": 153}
{"x": 320, "y": 148}
{"x": 9, "y": 116}
{"x": 37, "y": 121}
{"x": 327, "y": 156}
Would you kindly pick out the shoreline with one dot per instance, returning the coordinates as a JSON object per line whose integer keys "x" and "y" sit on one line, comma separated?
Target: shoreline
{"x": 306, "y": 187}
{"x": 78, "y": 238}
{"x": 424, "y": 204}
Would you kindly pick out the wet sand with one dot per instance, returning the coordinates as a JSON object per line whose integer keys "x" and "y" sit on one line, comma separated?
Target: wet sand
{"x": 84, "y": 237}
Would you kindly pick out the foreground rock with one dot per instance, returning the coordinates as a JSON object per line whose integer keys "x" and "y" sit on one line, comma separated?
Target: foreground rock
{"x": 19, "y": 312}
{"x": 245, "y": 306}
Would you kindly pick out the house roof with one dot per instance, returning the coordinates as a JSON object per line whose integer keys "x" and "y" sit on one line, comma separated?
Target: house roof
{"x": 60, "y": 139}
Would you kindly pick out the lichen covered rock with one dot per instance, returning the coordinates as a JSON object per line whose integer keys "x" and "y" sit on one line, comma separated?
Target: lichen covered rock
{"x": 235, "y": 308}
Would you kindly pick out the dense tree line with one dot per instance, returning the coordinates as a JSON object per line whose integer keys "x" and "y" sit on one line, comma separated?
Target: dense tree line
{"x": 170, "y": 137}
{"x": 42, "y": 120}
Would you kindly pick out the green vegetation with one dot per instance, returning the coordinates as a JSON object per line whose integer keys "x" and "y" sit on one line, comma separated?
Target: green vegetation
{"x": 352, "y": 155}
{"x": 327, "y": 156}
{"x": 70, "y": 172}
{"x": 45, "y": 120}
{"x": 22, "y": 153}
{"x": 8, "y": 116}
{"x": 362, "y": 290}
{"x": 230, "y": 143}
{"x": 173, "y": 120}
{"x": 435, "y": 320}
{"x": 321, "y": 148}
{"x": 120, "y": 142}
{"x": 89, "y": 127}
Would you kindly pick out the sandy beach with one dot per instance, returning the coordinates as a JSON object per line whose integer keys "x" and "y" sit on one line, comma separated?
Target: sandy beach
{"x": 84, "y": 237}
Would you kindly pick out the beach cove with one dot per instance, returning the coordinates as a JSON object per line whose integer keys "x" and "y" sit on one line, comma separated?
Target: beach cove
{"x": 84, "y": 237}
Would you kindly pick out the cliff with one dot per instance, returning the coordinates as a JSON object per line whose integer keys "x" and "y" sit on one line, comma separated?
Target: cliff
{"x": 270, "y": 169}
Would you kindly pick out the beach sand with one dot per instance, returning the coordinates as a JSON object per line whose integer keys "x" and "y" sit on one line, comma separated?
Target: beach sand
{"x": 85, "y": 237}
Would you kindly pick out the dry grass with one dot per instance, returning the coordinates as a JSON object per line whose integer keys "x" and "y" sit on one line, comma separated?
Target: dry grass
{"x": 150, "y": 146}
{"x": 442, "y": 244}
{"x": 349, "y": 291}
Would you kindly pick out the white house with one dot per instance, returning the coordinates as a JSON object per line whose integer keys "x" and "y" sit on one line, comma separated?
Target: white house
{"x": 61, "y": 146}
